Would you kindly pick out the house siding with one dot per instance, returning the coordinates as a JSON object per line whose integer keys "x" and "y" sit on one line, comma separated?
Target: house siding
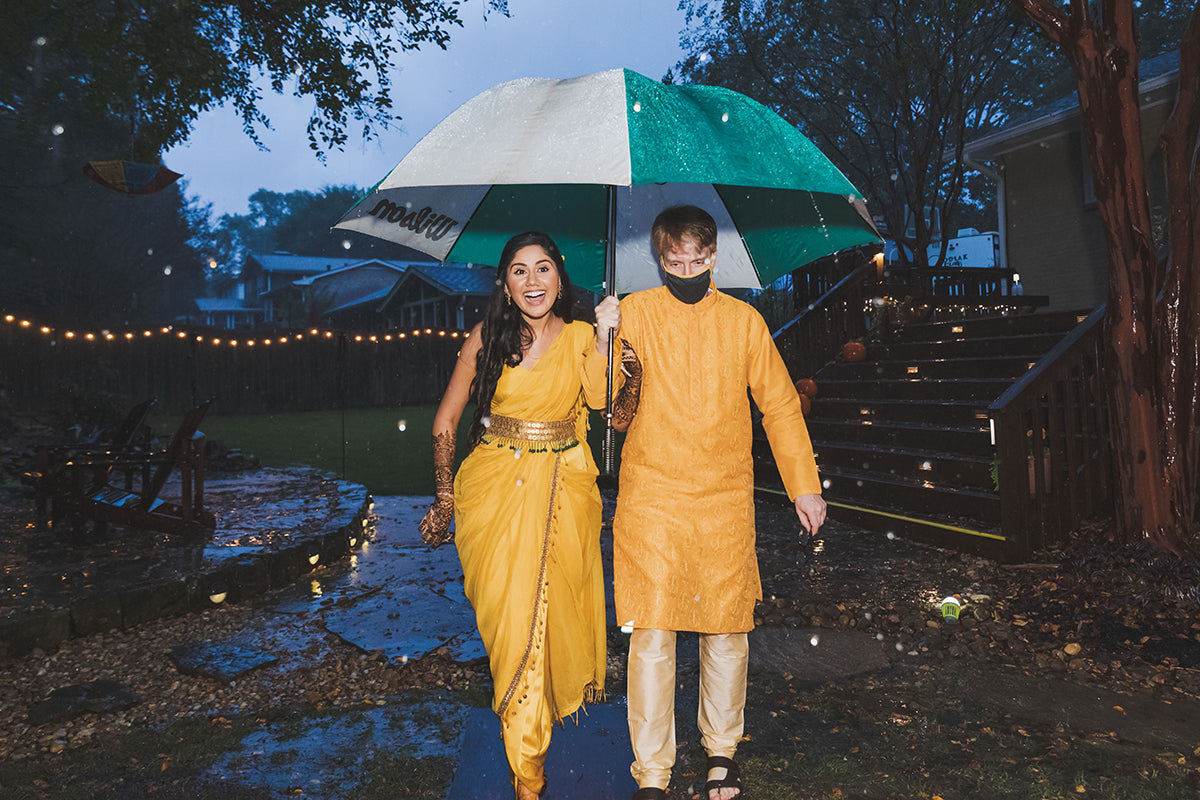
{"x": 1056, "y": 239}
{"x": 1054, "y": 243}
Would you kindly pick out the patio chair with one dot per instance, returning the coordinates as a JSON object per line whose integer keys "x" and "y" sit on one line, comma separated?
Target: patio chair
{"x": 51, "y": 460}
{"x": 141, "y": 507}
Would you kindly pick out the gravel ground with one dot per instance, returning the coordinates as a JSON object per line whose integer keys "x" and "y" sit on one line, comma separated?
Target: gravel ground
{"x": 1093, "y": 613}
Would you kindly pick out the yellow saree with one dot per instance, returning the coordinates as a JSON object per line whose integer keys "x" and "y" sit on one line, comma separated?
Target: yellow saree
{"x": 527, "y": 528}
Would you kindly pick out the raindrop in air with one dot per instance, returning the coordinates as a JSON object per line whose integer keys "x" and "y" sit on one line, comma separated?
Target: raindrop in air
{"x": 401, "y": 425}
{"x": 167, "y": 269}
{"x": 40, "y": 41}
{"x": 345, "y": 244}
{"x": 58, "y": 130}
{"x": 825, "y": 484}
{"x": 815, "y": 640}
{"x": 637, "y": 106}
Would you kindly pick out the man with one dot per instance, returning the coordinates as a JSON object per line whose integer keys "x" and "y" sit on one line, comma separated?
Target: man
{"x": 684, "y": 557}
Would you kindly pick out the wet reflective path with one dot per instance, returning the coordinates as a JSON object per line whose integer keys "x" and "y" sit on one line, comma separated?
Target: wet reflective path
{"x": 396, "y": 597}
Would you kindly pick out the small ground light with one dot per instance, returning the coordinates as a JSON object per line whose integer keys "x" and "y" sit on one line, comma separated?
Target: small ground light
{"x": 217, "y": 593}
{"x": 314, "y": 555}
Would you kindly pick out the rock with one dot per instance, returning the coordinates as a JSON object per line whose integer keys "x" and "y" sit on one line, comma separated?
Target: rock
{"x": 224, "y": 662}
{"x": 1072, "y": 649}
{"x": 97, "y": 697}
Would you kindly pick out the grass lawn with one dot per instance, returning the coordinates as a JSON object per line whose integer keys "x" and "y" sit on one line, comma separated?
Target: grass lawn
{"x": 378, "y": 453}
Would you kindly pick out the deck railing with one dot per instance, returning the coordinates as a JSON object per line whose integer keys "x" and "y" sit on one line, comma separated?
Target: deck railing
{"x": 952, "y": 281}
{"x": 1053, "y": 462}
{"x": 813, "y": 336}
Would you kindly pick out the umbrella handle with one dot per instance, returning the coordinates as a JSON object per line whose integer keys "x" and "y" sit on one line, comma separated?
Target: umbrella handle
{"x": 610, "y": 288}
{"x": 610, "y": 440}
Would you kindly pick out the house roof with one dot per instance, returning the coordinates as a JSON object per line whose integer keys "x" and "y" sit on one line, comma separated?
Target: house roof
{"x": 1153, "y": 74}
{"x": 358, "y": 302}
{"x": 451, "y": 280}
{"x": 213, "y": 304}
{"x": 305, "y": 265}
{"x": 398, "y": 266}
{"x": 456, "y": 279}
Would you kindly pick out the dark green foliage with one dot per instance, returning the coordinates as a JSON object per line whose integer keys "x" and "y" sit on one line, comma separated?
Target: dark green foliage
{"x": 889, "y": 89}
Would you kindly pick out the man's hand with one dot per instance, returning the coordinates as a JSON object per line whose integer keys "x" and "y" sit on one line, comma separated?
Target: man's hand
{"x": 810, "y": 508}
{"x": 608, "y": 318}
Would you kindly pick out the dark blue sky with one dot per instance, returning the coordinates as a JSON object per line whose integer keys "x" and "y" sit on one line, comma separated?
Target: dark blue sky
{"x": 540, "y": 38}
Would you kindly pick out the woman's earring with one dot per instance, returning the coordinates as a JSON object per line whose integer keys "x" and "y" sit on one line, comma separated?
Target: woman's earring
{"x": 560, "y": 291}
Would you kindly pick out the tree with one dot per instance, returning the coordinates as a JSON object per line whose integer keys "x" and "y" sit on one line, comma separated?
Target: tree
{"x": 889, "y": 89}
{"x": 297, "y": 222}
{"x": 1152, "y": 322}
{"x": 155, "y": 65}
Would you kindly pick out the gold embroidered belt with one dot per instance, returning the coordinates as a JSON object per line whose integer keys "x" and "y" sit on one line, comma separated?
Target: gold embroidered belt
{"x": 532, "y": 435}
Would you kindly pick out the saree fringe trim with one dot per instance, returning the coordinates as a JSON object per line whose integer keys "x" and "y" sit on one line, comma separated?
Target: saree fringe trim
{"x": 592, "y": 693}
{"x": 523, "y": 445}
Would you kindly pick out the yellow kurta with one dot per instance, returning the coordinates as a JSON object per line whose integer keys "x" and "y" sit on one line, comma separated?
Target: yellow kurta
{"x": 683, "y": 534}
{"x": 527, "y": 528}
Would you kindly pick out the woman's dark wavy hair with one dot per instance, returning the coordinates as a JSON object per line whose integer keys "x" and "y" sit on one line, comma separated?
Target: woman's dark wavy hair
{"x": 505, "y": 335}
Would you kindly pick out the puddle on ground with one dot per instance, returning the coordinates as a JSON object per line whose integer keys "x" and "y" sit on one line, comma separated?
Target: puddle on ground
{"x": 330, "y": 758}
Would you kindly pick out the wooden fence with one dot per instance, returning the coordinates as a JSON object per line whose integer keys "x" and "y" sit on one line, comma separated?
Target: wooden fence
{"x": 283, "y": 372}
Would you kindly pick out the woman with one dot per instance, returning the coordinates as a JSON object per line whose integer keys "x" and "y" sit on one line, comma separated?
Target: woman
{"x": 525, "y": 503}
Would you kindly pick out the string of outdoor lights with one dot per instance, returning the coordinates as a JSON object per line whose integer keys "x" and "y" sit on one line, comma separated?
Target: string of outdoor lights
{"x": 104, "y": 334}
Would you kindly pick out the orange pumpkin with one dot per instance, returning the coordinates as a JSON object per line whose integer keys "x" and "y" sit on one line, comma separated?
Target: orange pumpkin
{"x": 806, "y": 387}
{"x": 854, "y": 351}
{"x": 805, "y": 404}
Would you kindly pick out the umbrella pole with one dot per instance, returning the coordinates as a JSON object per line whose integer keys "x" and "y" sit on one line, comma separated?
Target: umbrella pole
{"x": 610, "y": 288}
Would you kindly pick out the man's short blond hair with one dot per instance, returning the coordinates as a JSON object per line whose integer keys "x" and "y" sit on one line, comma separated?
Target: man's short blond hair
{"x": 677, "y": 223}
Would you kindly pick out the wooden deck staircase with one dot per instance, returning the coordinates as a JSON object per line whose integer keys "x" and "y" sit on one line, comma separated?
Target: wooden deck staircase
{"x": 904, "y": 439}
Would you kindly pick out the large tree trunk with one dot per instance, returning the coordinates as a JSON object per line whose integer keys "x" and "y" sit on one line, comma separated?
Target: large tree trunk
{"x": 1179, "y": 304}
{"x": 1151, "y": 392}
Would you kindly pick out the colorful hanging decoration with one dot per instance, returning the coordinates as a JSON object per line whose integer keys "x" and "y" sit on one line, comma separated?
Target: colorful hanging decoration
{"x": 130, "y": 177}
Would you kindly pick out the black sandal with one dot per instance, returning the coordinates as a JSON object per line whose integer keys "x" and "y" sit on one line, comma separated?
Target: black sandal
{"x": 650, "y": 793}
{"x": 732, "y": 779}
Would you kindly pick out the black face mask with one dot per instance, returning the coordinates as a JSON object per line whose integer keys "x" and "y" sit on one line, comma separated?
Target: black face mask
{"x": 688, "y": 290}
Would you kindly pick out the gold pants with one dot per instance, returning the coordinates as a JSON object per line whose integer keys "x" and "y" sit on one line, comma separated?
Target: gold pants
{"x": 721, "y": 718}
{"x": 526, "y": 728}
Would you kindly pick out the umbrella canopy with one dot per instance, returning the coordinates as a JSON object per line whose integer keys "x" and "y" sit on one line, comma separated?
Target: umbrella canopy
{"x": 130, "y": 177}
{"x": 545, "y": 154}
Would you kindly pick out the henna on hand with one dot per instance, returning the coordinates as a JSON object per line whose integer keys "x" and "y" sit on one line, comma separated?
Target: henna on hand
{"x": 626, "y": 402}
{"x": 435, "y": 526}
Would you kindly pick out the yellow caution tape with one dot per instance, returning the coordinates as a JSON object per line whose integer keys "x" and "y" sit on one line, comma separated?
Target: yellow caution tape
{"x": 955, "y": 528}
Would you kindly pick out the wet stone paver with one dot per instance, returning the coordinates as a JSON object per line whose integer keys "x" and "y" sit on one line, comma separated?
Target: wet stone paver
{"x": 328, "y": 758}
{"x": 221, "y": 661}
{"x": 396, "y": 596}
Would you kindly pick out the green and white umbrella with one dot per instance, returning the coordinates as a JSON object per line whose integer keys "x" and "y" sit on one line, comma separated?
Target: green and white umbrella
{"x": 592, "y": 160}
